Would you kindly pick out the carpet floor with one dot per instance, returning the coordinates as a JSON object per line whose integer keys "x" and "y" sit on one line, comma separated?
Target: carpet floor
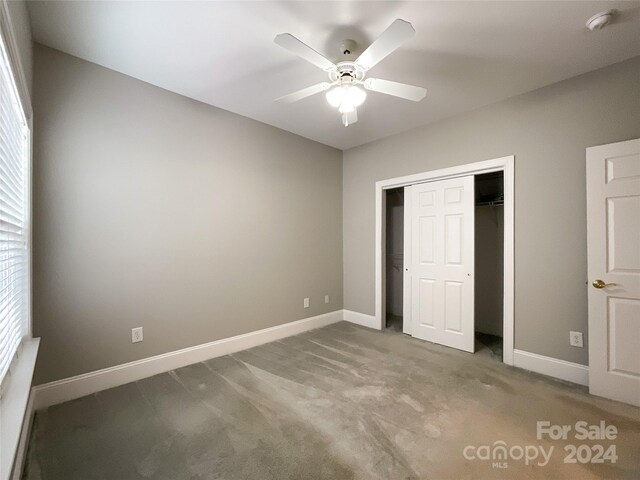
{"x": 341, "y": 402}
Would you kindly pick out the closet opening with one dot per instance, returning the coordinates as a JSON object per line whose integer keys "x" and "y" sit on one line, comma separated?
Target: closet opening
{"x": 436, "y": 210}
{"x": 489, "y": 263}
{"x": 394, "y": 258}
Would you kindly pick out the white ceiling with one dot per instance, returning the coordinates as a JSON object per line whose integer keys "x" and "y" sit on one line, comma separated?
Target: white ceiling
{"x": 467, "y": 54}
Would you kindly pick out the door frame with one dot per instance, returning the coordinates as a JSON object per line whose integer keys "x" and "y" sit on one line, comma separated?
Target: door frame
{"x": 504, "y": 164}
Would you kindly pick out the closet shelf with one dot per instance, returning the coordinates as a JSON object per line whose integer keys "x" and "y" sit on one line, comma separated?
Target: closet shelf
{"x": 490, "y": 204}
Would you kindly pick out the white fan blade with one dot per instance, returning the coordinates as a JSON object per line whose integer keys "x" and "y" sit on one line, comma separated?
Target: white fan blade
{"x": 402, "y": 90}
{"x": 395, "y": 35}
{"x": 295, "y": 46}
{"x": 304, "y": 93}
{"x": 349, "y": 118}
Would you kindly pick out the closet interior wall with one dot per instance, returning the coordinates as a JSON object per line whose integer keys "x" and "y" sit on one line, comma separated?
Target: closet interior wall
{"x": 394, "y": 251}
{"x": 489, "y": 253}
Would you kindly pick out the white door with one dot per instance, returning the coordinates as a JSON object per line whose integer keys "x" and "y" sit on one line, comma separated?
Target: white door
{"x": 442, "y": 262}
{"x": 613, "y": 240}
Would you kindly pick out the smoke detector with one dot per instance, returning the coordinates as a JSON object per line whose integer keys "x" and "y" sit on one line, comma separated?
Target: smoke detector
{"x": 600, "y": 20}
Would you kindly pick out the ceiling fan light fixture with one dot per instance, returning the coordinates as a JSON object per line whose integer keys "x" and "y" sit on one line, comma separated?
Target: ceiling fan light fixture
{"x": 346, "y": 107}
{"x": 346, "y": 97}
{"x": 356, "y": 95}
{"x": 334, "y": 96}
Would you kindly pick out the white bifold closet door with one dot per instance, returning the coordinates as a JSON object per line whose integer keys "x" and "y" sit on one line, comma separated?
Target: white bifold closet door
{"x": 442, "y": 261}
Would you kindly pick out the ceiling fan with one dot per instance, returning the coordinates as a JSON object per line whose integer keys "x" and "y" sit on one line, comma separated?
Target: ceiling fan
{"x": 346, "y": 77}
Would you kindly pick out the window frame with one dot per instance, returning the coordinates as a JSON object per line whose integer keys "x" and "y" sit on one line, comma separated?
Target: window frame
{"x": 15, "y": 71}
{"x": 16, "y": 399}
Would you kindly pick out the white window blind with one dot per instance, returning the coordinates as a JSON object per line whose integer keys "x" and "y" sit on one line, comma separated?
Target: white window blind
{"x": 14, "y": 266}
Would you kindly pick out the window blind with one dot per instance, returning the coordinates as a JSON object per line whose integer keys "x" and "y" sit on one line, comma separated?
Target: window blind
{"x": 14, "y": 266}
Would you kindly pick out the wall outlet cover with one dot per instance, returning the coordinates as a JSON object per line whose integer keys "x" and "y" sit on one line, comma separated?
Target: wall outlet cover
{"x": 575, "y": 339}
{"x": 306, "y": 303}
{"x": 136, "y": 335}
{"x": 326, "y": 299}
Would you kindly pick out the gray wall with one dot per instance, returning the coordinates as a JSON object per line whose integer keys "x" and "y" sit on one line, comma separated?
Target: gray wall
{"x": 547, "y": 130}
{"x": 154, "y": 210}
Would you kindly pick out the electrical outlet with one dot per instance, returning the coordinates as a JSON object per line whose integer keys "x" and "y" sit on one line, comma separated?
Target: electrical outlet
{"x": 326, "y": 299}
{"x": 306, "y": 303}
{"x": 136, "y": 335}
{"x": 575, "y": 339}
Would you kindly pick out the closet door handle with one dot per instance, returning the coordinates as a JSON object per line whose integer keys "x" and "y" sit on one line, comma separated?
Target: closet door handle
{"x": 601, "y": 284}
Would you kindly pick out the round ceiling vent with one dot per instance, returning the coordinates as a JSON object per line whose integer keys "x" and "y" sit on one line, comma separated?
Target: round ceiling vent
{"x": 600, "y": 20}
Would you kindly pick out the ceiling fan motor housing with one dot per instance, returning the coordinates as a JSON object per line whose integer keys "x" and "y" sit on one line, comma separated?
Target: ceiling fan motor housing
{"x": 346, "y": 72}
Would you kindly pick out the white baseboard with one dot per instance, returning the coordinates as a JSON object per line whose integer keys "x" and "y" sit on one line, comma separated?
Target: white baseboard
{"x": 569, "y": 371}
{"x": 361, "y": 319}
{"x": 75, "y": 387}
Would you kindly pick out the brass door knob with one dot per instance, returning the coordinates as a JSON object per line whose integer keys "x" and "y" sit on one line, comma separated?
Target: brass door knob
{"x": 600, "y": 284}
